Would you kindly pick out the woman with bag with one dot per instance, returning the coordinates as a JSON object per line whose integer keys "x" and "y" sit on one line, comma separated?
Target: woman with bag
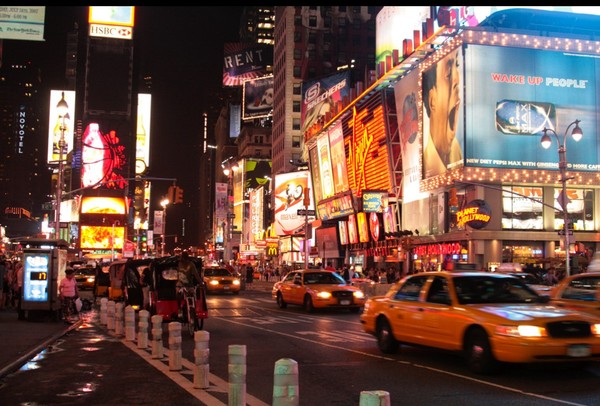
{"x": 68, "y": 293}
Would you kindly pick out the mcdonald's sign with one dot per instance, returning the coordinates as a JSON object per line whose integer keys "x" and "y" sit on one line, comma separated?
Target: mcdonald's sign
{"x": 272, "y": 250}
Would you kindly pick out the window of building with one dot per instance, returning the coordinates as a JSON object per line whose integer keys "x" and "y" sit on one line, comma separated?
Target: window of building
{"x": 312, "y": 38}
{"x": 297, "y": 88}
{"x": 295, "y": 126}
{"x": 297, "y": 54}
{"x": 312, "y": 21}
{"x": 580, "y": 209}
{"x": 297, "y": 36}
{"x": 522, "y": 208}
{"x": 296, "y": 107}
{"x": 312, "y": 54}
{"x": 297, "y": 71}
{"x": 296, "y": 139}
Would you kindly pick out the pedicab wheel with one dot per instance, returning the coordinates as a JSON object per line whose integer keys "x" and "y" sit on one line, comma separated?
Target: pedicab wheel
{"x": 192, "y": 321}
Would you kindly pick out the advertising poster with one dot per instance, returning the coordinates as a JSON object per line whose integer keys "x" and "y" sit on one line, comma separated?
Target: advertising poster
{"x": 405, "y": 92}
{"x": 527, "y": 90}
{"x": 319, "y": 97}
{"x": 352, "y": 229}
{"x": 338, "y": 158}
{"x": 443, "y": 131}
{"x": 313, "y": 154}
{"x": 244, "y": 61}
{"x": 289, "y": 198}
{"x": 325, "y": 171}
{"x": 258, "y": 98}
{"x": 363, "y": 226}
{"x": 58, "y": 124}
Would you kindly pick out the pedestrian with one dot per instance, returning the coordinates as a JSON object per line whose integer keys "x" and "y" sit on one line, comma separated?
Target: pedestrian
{"x": 3, "y": 281}
{"x": 145, "y": 282}
{"x": 550, "y": 277}
{"x": 19, "y": 289}
{"x": 68, "y": 293}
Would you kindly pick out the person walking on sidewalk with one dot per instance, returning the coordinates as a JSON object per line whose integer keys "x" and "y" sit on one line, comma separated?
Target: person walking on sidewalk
{"x": 19, "y": 289}
{"x": 68, "y": 293}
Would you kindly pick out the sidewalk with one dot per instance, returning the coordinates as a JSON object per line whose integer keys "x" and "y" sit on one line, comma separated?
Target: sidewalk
{"x": 22, "y": 339}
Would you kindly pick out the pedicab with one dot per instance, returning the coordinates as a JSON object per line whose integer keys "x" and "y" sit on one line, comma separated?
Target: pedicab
{"x": 132, "y": 283}
{"x": 174, "y": 302}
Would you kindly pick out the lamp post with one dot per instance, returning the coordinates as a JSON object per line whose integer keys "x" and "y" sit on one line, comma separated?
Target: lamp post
{"x": 164, "y": 203}
{"x": 563, "y": 199}
{"x": 228, "y": 169}
{"x": 62, "y": 108}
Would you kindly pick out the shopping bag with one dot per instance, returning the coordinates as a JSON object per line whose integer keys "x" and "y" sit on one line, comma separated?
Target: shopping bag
{"x": 78, "y": 304}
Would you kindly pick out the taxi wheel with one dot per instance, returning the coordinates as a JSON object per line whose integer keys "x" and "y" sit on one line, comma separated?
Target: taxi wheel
{"x": 280, "y": 302}
{"x": 308, "y": 304}
{"x": 479, "y": 353}
{"x": 385, "y": 338}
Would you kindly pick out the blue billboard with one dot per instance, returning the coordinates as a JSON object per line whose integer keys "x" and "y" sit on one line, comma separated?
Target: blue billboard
{"x": 512, "y": 94}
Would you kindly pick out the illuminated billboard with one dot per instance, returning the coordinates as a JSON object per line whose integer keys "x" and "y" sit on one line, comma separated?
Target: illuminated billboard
{"x": 142, "y": 136}
{"x": 101, "y": 237}
{"x": 289, "y": 198}
{"x": 244, "y": 61}
{"x": 58, "y": 124}
{"x": 322, "y": 96}
{"x": 22, "y": 22}
{"x": 103, "y": 205}
{"x": 258, "y": 98}
{"x": 112, "y": 15}
{"x": 513, "y": 93}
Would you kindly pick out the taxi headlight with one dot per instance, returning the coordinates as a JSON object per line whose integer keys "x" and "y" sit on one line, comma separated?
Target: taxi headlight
{"x": 596, "y": 329}
{"x": 213, "y": 282}
{"x": 324, "y": 295}
{"x": 236, "y": 281}
{"x": 359, "y": 294}
{"x": 521, "y": 331}
{"x": 90, "y": 279}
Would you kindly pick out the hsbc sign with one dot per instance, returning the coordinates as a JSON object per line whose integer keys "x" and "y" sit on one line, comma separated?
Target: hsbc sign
{"x": 111, "y": 31}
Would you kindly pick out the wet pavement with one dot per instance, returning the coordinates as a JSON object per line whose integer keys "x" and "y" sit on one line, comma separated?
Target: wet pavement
{"x": 49, "y": 362}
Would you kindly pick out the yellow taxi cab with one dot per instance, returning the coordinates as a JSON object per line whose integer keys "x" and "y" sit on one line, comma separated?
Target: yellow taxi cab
{"x": 490, "y": 318}
{"x": 578, "y": 292}
{"x": 317, "y": 289}
{"x": 221, "y": 280}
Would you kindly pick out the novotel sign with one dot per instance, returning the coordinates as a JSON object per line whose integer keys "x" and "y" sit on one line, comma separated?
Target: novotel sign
{"x": 476, "y": 214}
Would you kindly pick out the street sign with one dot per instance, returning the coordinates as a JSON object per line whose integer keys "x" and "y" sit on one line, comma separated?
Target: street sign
{"x": 302, "y": 212}
{"x": 562, "y": 232}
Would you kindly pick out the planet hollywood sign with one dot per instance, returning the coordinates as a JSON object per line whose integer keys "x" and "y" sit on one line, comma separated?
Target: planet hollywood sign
{"x": 438, "y": 249}
{"x": 476, "y": 214}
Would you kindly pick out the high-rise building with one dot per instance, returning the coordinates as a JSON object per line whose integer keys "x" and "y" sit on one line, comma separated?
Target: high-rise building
{"x": 313, "y": 42}
{"x": 24, "y": 186}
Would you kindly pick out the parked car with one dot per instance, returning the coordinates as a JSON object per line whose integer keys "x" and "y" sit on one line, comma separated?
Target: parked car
{"x": 490, "y": 318}
{"x": 317, "y": 289}
{"x": 85, "y": 277}
{"x": 578, "y": 292}
{"x": 221, "y": 280}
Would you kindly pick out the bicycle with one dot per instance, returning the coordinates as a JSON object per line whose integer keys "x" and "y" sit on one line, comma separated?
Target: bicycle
{"x": 192, "y": 308}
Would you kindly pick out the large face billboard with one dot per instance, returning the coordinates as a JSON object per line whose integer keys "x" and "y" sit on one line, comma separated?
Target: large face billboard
{"x": 512, "y": 94}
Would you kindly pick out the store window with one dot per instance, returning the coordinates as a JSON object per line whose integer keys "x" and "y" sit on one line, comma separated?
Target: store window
{"x": 522, "y": 208}
{"x": 580, "y": 209}
{"x": 528, "y": 253}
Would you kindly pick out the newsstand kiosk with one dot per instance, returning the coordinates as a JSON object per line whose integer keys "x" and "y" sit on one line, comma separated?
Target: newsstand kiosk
{"x": 44, "y": 264}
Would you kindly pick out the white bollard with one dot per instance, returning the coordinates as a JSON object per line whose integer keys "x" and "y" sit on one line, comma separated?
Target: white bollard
{"x": 110, "y": 318}
{"x": 286, "y": 391}
{"x": 157, "y": 332}
{"x": 129, "y": 323}
{"x": 103, "y": 310}
{"x": 119, "y": 316}
{"x": 201, "y": 356}
{"x": 142, "y": 336}
{"x": 237, "y": 375}
{"x": 174, "y": 346}
{"x": 374, "y": 398}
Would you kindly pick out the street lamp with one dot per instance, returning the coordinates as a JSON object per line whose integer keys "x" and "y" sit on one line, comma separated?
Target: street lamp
{"x": 164, "y": 203}
{"x": 62, "y": 108}
{"x": 563, "y": 199}
{"x": 229, "y": 168}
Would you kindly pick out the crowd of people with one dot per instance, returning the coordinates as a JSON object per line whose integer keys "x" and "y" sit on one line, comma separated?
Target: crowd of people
{"x": 11, "y": 283}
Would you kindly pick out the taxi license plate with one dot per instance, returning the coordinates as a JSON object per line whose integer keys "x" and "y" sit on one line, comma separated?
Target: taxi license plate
{"x": 579, "y": 350}
{"x": 344, "y": 302}
{"x": 225, "y": 287}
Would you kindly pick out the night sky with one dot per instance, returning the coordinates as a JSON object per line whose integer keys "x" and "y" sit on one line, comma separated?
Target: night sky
{"x": 180, "y": 47}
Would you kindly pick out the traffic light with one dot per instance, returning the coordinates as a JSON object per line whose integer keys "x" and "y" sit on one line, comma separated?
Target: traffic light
{"x": 171, "y": 193}
{"x": 178, "y": 195}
